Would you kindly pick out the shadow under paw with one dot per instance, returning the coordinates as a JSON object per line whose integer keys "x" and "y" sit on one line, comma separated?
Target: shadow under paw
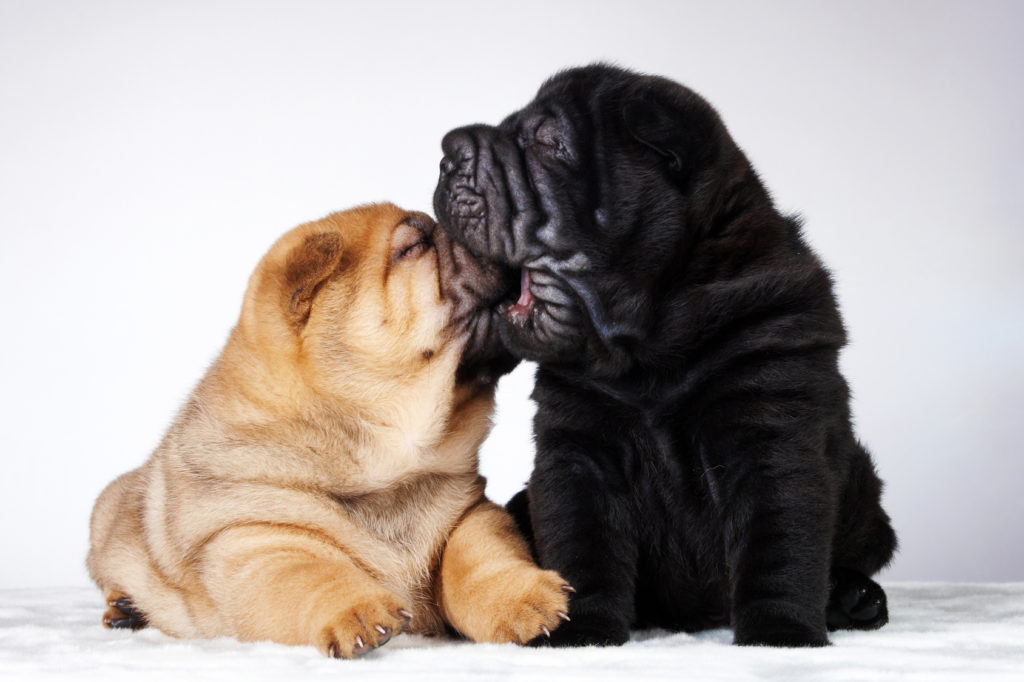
{"x": 584, "y": 631}
{"x": 856, "y": 602}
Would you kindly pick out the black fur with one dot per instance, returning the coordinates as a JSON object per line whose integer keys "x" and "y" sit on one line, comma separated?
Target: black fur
{"x": 695, "y": 465}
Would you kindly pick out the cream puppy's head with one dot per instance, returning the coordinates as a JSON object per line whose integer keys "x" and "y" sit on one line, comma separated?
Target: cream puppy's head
{"x": 374, "y": 308}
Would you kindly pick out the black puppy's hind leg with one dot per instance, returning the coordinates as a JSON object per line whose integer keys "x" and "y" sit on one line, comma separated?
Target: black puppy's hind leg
{"x": 778, "y": 515}
{"x": 865, "y": 542}
{"x": 856, "y": 602}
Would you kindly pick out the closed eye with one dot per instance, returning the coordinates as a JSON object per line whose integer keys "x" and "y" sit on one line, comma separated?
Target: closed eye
{"x": 545, "y": 135}
{"x": 411, "y": 238}
{"x": 415, "y": 249}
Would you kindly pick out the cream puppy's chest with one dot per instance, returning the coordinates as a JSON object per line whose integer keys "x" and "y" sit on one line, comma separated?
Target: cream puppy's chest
{"x": 411, "y": 513}
{"x": 421, "y": 448}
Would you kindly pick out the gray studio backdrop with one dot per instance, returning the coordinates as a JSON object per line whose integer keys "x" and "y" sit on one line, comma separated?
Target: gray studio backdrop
{"x": 150, "y": 152}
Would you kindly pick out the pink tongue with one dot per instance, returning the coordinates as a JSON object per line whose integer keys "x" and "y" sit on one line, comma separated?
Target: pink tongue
{"x": 525, "y": 297}
{"x": 520, "y": 311}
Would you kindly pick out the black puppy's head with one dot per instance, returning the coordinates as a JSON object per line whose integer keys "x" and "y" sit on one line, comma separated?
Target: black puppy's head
{"x": 592, "y": 194}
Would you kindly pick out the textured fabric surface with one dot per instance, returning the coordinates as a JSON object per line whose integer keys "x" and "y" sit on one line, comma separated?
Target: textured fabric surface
{"x": 937, "y": 631}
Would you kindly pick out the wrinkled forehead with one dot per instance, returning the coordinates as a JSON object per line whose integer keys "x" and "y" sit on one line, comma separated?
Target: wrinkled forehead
{"x": 551, "y": 108}
{"x": 552, "y": 100}
{"x": 577, "y": 96}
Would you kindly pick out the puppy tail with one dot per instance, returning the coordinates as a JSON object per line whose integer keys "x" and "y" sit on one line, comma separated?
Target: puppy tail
{"x": 519, "y": 509}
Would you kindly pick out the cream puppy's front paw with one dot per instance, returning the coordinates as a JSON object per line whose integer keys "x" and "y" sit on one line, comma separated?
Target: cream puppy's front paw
{"x": 363, "y": 626}
{"x": 516, "y": 603}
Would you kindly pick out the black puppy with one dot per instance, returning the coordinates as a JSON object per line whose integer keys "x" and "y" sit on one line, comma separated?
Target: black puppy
{"x": 695, "y": 461}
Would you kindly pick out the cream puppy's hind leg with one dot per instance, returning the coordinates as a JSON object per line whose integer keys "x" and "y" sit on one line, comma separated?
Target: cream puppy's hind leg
{"x": 122, "y": 613}
{"x": 119, "y": 562}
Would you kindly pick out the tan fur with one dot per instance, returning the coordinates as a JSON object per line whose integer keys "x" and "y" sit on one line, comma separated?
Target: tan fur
{"x": 322, "y": 477}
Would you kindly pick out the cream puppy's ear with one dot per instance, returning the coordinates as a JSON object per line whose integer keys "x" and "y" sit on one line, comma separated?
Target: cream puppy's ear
{"x": 307, "y": 267}
{"x": 282, "y": 288}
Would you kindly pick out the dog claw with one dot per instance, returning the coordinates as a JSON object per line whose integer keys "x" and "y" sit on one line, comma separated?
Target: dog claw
{"x": 564, "y": 616}
{"x": 406, "y": 617}
{"x": 569, "y": 589}
{"x": 332, "y": 650}
{"x": 360, "y": 647}
{"x": 544, "y": 629}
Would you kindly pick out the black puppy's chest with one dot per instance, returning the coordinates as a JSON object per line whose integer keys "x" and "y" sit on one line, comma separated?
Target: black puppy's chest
{"x": 650, "y": 449}
{"x": 673, "y": 476}
{"x": 656, "y": 440}
{"x": 667, "y": 460}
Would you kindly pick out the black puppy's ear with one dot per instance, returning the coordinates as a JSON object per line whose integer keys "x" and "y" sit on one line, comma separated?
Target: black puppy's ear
{"x": 674, "y": 122}
{"x": 651, "y": 124}
{"x": 307, "y": 267}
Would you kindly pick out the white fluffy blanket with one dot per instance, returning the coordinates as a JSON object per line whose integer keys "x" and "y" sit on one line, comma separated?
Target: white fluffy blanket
{"x": 937, "y": 631}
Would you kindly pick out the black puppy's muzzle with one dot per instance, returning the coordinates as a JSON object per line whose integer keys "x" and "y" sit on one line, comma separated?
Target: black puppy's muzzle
{"x": 459, "y": 200}
{"x": 491, "y": 199}
{"x": 484, "y": 198}
{"x": 476, "y": 277}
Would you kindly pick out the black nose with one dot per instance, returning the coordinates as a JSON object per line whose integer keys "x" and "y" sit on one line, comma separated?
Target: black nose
{"x": 460, "y": 148}
{"x": 458, "y": 142}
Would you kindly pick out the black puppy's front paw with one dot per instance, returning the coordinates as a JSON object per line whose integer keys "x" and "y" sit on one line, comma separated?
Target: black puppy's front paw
{"x": 777, "y": 625}
{"x": 585, "y": 630}
{"x": 856, "y": 602}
